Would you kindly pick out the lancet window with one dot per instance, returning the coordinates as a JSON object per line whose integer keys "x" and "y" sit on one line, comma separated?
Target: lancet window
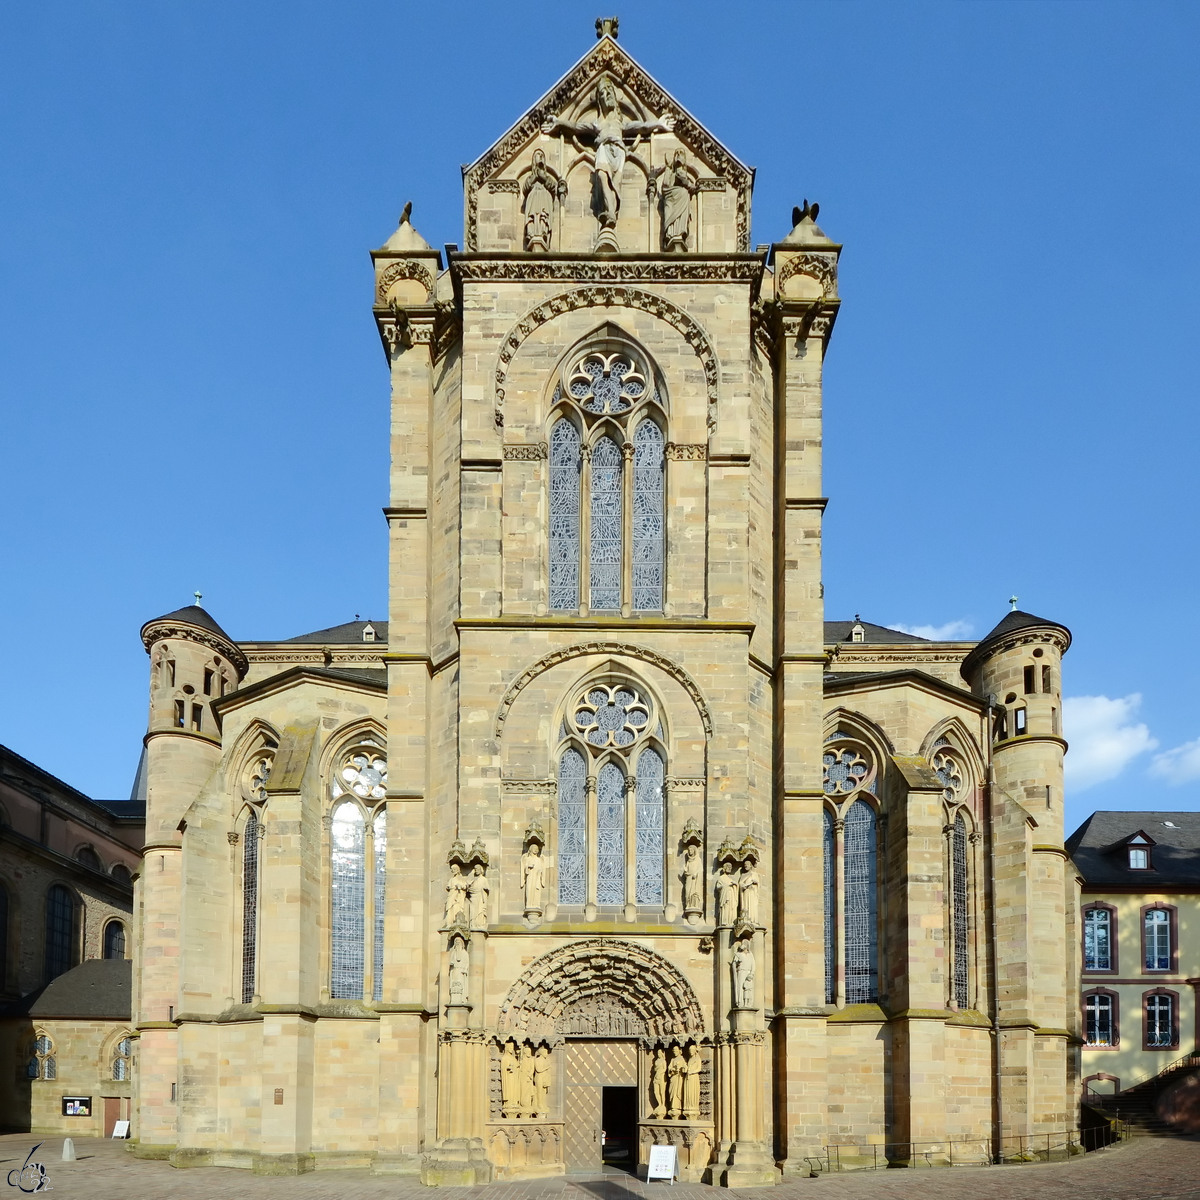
{"x": 959, "y": 911}
{"x": 61, "y": 948}
{"x": 255, "y": 776}
{"x": 607, "y": 451}
{"x": 851, "y": 885}
{"x": 611, "y": 809}
{"x": 358, "y": 874}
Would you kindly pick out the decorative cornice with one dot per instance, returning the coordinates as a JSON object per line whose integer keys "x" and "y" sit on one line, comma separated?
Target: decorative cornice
{"x": 537, "y": 268}
{"x": 528, "y": 787}
{"x": 614, "y": 296}
{"x": 155, "y": 631}
{"x": 686, "y": 451}
{"x": 619, "y": 649}
{"x": 527, "y": 453}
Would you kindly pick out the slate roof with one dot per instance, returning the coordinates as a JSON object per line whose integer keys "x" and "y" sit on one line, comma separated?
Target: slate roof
{"x": 193, "y": 614}
{"x": 124, "y": 808}
{"x": 99, "y": 989}
{"x": 1010, "y": 624}
{"x": 349, "y": 633}
{"x": 839, "y": 631}
{"x": 1097, "y": 848}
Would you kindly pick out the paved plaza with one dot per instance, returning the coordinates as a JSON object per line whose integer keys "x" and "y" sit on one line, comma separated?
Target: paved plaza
{"x": 1144, "y": 1169}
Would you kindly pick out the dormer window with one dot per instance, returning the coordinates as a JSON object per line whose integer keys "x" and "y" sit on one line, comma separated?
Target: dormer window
{"x": 1138, "y": 858}
{"x": 368, "y": 633}
{"x": 858, "y": 634}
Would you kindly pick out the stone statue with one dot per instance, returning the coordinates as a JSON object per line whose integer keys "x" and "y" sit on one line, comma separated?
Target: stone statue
{"x": 691, "y": 1084}
{"x": 526, "y": 1069}
{"x": 748, "y": 886}
{"x": 541, "y": 188}
{"x": 658, "y": 1084}
{"x": 676, "y": 1071}
{"x": 460, "y": 966}
{"x": 541, "y": 1079}
{"x": 693, "y": 879}
{"x": 607, "y": 133}
{"x": 478, "y": 891}
{"x": 742, "y": 966}
{"x": 727, "y": 895}
{"x": 456, "y": 896}
{"x": 510, "y": 1088}
{"x": 677, "y": 188}
{"x": 533, "y": 874}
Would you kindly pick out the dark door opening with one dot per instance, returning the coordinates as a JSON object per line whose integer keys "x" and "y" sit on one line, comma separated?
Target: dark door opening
{"x": 619, "y": 1121}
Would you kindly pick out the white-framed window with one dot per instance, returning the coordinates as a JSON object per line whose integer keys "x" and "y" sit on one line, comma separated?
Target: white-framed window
{"x": 607, "y": 471}
{"x": 1160, "y": 1021}
{"x": 611, "y": 804}
{"x": 1099, "y": 1019}
{"x": 1097, "y": 940}
{"x": 1157, "y": 939}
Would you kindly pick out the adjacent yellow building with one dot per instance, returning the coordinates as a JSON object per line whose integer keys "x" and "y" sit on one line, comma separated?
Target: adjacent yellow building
{"x": 1140, "y": 943}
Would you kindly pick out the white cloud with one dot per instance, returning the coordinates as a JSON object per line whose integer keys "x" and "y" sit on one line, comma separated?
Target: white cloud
{"x": 952, "y": 631}
{"x": 1181, "y": 764}
{"x": 1103, "y": 738}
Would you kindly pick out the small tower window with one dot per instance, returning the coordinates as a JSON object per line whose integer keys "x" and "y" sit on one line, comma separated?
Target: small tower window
{"x": 1019, "y": 726}
{"x": 171, "y": 671}
{"x": 208, "y": 681}
{"x": 180, "y": 715}
{"x": 1046, "y": 686}
{"x": 197, "y": 717}
{"x": 1030, "y": 680}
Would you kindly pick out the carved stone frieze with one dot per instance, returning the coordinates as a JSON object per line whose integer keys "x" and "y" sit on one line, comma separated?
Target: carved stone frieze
{"x": 528, "y": 787}
{"x": 710, "y": 183}
{"x": 600, "y": 271}
{"x": 504, "y": 185}
{"x": 155, "y": 631}
{"x": 608, "y": 57}
{"x": 601, "y": 980}
{"x": 686, "y": 451}
{"x": 534, "y": 453}
{"x": 614, "y": 648}
{"x": 685, "y": 783}
{"x": 615, "y": 297}
{"x": 407, "y": 268}
{"x": 822, "y": 267}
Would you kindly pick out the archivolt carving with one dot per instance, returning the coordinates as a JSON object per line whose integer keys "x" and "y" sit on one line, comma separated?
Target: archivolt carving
{"x": 614, "y": 648}
{"x": 405, "y": 269}
{"x": 821, "y": 267}
{"x": 625, "y": 981}
{"x": 614, "y": 296}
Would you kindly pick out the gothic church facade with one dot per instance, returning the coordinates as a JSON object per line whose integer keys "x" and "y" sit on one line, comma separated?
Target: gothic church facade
{"x": 605, "y": 828}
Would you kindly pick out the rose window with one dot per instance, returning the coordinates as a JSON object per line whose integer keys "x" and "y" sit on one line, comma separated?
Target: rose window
{"x": 845, "y": 771}
{"x": 611, "y": 716}
{"x": 949, "y": 774}
{"x": 364, "y": 775}
{"x": 606, "y": 383}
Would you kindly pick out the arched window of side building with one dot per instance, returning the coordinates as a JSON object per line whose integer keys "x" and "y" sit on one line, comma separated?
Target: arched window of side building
{"x": 114, "y": 940}
{"x": 61, "y": 950}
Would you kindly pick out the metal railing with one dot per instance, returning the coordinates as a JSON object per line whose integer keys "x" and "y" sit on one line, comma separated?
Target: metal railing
{"x": 1059, "y": 1146}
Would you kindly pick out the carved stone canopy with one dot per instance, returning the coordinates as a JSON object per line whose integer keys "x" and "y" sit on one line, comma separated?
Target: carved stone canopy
{"x": 534, "y": 835}
{"x": 602, "y": 982}
{"x": 467, "y": 858}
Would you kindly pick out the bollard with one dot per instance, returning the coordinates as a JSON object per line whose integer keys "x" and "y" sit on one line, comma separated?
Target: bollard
{"x": 68, "y": 1150}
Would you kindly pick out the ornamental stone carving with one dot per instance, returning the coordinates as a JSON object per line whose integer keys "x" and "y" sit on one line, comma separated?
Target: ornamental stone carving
{"x": 821, "y": 267}
{"x": 686, "y": 452}
{"x": 534, "y": 453}
{"x": 404, "y": 269}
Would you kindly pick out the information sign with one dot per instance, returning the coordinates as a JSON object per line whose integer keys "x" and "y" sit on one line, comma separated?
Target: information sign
{"x": 121, "y": 1129}
{"x": 662, "y": 1163}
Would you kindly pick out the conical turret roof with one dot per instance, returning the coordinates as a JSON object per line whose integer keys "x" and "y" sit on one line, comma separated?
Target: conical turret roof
{"x": 192, "y": 614}
{"x": 1012, "y": 622}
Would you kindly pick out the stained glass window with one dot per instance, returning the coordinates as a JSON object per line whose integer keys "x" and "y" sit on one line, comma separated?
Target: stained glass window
{"x": 607, "y": 534}
{"x": 959, "y": 854}
{"x": 380, "y": 840}
{"x": 60, "y": 931}
{"x": 249, "y": 907}
{"x": 648, "y": 508}
{"x": 611, "y": 716}
{"x": 845, "y": 770}
{"x": 606, "y": 383}
{"x": 572, "y": 828}
{"x": 949, "y": 774}
{"x": 1158, "y": 940}
{"x": 830, "y": 909}
{"x": 861, "y": 902}
{"x": 610, "y": 835}
{"x": 122, "y": 1064}
{"x": 565, "y": 466}
{"x": 649, "y": 825}
{"x": 348, "y": 862}
{"x": 1097, "y": 940}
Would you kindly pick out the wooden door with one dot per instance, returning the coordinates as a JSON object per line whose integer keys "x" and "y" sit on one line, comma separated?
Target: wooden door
{"x": 592, "y": 1066}
{"x": 112, "y": 1114}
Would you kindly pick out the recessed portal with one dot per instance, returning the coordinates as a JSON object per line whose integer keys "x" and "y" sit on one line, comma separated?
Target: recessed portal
{"x": 619, "y": 1122}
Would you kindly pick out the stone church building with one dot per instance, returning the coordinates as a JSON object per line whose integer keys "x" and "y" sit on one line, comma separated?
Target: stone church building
{"x": 604, "y": 838}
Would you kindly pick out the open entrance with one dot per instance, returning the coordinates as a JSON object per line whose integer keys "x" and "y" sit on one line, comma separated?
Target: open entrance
{"x": 619, "y": 1119}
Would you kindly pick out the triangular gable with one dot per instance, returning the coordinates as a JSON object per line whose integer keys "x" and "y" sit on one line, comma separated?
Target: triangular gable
{"x": 572, "y": 90}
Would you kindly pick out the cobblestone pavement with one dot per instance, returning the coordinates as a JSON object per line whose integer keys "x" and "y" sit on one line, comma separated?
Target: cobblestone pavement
{"x": 1144, "y": 1169}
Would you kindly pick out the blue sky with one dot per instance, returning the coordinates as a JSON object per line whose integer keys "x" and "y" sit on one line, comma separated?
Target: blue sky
{"x": 193, "y": 394}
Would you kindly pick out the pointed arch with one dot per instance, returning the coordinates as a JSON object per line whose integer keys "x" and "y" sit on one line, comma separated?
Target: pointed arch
{"x": 639, "y": 985}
